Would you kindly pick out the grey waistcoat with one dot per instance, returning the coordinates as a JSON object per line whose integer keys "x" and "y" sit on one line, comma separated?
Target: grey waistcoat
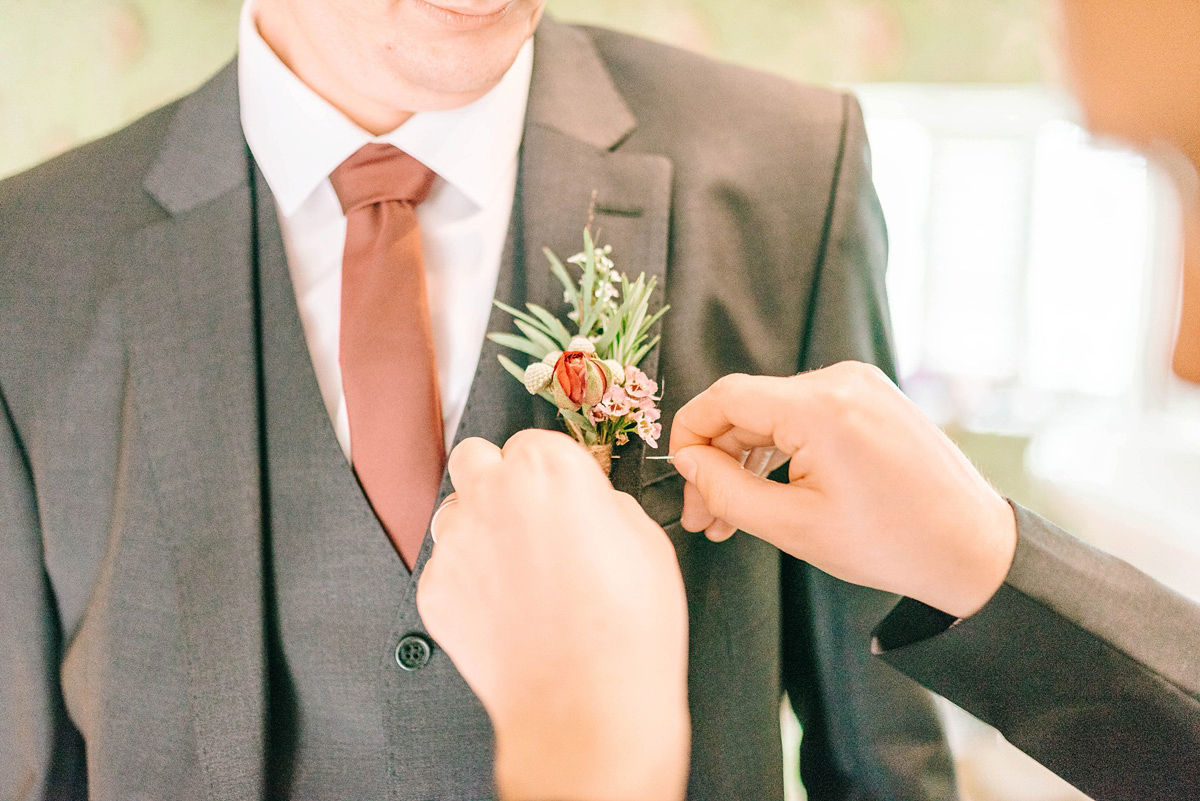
{"x": 346, "y": 721}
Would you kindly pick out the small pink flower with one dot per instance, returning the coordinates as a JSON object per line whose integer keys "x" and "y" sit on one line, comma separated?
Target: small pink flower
{"x": 622, "y": 438}
{"x": 616, "y": 402}
{"x": 598, "y": 414}
{"x": 646, "y": 410}
{"x": 638, "y": 384}
{"x": 649, "y": 431}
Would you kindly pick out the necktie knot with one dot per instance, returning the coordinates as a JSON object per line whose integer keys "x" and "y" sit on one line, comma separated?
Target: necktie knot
{"x": 379, "y": 172}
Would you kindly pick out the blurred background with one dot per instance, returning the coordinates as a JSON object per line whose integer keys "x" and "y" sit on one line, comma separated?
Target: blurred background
{"x": 1017, "y": 243}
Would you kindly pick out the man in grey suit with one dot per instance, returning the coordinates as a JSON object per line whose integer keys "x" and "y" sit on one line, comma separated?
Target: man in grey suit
{"x": 198, "y": 600}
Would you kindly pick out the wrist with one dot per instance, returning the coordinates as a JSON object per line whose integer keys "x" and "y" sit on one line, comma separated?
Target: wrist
{"x": 991, "y": 547}
{"x": 548, "y": 754}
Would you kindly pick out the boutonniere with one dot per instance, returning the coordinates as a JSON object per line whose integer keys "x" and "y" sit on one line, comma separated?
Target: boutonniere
{"x": 588, "y": 366}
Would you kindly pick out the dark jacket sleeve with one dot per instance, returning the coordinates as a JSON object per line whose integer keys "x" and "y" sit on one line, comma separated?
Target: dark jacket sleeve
{"x": 869, "y": 733}
{"x": 1081, "y": 661}
{"x": 41, "y": 753}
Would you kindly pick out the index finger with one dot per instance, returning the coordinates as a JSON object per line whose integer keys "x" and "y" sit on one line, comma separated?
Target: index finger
{"x": 750, "y": 404}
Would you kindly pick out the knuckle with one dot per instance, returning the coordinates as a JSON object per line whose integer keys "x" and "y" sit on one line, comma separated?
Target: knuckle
{"x": 728, "y": 385}
{"x": 472, "y": 447}
{"x": 841, "y": 396}
{"x": 850, "y": 386}
{"x": 877, "y": 373}
{"x": 563, "y": 456}
{"x": 470, "y": 457}
{"x": 867, "y": 374}
{"x": 535, "y": 442}
{"x": 522, "y": 441}
{"x": 849, "y": 403}
{"x": 848, "y": 370}
{"x": 525, "y": 452}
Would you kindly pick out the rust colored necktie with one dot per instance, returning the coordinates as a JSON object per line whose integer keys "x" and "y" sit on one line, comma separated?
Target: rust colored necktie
{"x": 389, "y": 369}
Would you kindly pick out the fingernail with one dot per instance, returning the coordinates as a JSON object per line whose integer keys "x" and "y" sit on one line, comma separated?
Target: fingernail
{"x": 685, "y": 464}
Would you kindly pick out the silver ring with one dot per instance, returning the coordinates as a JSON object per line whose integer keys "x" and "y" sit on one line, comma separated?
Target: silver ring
{"x": 449, "y": 500}
{"x": 759, "y": 459}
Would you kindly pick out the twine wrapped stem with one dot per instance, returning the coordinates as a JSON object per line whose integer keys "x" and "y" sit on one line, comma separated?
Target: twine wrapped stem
{"x": 603, "y": 454}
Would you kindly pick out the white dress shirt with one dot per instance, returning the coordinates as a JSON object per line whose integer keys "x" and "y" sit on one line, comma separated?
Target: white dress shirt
{"x": 298, "y": 139}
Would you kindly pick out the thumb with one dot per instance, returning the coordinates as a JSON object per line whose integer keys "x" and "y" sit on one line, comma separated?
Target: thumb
{"x": 741, "y": 498}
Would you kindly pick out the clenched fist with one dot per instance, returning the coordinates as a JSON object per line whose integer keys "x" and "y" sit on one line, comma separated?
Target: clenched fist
{"x": 562, "y": 605}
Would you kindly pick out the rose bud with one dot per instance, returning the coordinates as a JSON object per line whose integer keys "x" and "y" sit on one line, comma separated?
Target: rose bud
{"x": 579, "y": 380}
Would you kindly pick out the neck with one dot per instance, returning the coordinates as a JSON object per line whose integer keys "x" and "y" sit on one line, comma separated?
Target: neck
{"x": 1187, "y": 347}
{"x": 1181, "y": 164}
{"x": 299, "y": 51}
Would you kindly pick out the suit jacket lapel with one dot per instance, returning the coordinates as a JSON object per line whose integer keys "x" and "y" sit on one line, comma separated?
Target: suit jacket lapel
{"x": 191, "y": 331}
{"x": 574, "y": 149}
{"x": 575, "y": 120}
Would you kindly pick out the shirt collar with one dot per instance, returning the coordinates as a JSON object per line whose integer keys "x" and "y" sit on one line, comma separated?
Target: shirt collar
{"x": 298, "y": 138}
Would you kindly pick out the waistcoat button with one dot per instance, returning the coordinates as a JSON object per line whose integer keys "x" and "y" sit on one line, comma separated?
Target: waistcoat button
{"x": 413, "y": 652}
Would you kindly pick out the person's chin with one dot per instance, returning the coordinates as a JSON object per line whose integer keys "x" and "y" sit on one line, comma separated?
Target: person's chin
{"x": 1187, "y": 346}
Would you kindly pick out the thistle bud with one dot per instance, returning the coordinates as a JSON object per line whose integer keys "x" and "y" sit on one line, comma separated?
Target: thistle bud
{"x": 583, "y": 345}
{"x": 538, "y": 377}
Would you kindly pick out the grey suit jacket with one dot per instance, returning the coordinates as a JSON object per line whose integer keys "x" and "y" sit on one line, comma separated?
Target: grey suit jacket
{"x": 1083, "y": 662}
{"x": 131, "y": 568}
